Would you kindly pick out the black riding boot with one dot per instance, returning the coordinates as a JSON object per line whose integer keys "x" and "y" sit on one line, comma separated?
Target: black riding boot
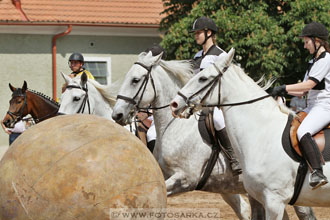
{"x": 222, "y": 136}
{"x": 312, "y": 154}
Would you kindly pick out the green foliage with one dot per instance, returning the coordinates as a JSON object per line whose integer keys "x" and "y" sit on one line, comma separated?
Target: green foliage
{"x": 264, "y": 33}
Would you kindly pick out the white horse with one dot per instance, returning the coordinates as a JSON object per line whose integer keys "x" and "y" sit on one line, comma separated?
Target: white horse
{"x": 86, "y": 96}
{"x": 179, "y": 150}
{"x": 255, "y": 131}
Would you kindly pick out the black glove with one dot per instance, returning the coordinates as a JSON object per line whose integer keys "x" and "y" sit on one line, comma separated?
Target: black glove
{"x": 279, "y": 91}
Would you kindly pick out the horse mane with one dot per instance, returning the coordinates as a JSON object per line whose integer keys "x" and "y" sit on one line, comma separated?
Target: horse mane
{"x": 107, "y": 91}
{"x": 267, "y": 83}
{"x": 182, "y": 70}
{"x": 44, "y": 97}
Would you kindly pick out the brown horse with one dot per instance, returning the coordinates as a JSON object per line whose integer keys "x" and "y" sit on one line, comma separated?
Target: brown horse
{"x": 24, "y": 102}
{"x": 142, "y": 126}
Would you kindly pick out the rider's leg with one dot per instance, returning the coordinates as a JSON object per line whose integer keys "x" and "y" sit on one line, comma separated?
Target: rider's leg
{"x": 315, "y": 121}
{"x": 222, "y": 136}
{"x": 312, "y": 154}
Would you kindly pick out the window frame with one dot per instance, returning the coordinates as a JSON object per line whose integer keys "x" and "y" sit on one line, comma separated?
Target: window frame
{"x": 101, "y": 59}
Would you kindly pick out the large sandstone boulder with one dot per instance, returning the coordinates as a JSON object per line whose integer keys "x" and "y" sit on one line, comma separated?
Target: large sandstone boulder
{"x": 77, "y": 167}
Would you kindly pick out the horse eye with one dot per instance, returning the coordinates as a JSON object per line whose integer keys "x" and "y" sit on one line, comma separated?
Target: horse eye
{"x": 135, "y": 81}
{"x": 76, "y": 99}
{"x": 202, "y": 79}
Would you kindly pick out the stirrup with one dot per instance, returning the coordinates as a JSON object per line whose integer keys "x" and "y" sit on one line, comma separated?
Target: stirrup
{"x": 320, "y": 183}
{"x": 235, "y": 168}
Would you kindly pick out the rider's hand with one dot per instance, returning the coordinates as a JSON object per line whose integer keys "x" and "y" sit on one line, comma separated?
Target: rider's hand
{"x": 279, "y": 91}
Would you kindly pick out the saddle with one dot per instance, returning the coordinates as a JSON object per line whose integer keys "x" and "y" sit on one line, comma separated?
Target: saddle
{"x": 319, "y": 138}
{"x": 206, "y": 126}
{"x": 290, "y": 145}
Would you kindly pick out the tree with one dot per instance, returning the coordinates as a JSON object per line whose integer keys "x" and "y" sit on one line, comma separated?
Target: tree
{"x": 264, "y": 33}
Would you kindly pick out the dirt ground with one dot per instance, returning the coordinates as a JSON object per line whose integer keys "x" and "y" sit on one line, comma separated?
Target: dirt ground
{"x": 199, "y": 200}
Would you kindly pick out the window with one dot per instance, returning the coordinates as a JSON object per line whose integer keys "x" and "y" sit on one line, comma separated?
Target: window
{"x": 100, "y": 67}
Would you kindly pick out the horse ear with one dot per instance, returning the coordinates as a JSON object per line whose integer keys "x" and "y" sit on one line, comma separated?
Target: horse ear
{"x": 24, "y": 88}
{"x": 84, "y": 78}
{"x": 66, "y": 77}
{"x": 156, "y": 59}
{"x": 230, "y": 56}
{"x": 12, "y": 88}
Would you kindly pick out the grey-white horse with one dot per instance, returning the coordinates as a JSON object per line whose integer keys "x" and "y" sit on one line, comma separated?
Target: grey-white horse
{"x": 179, "y": 150}
{"x": 255, "y": 129}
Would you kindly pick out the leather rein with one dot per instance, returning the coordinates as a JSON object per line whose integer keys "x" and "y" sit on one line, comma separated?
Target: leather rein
{"x": 210, "y": 86}
{"x": 85, "y": 101}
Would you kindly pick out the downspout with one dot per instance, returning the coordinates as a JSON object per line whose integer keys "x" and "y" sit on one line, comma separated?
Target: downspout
{"x": 18, "y": 6}
{"x": 54, "y": 56}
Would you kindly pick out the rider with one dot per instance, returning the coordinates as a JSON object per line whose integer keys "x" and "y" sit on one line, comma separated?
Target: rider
{"x": 76, "y": 63}
{"x": 205, "y": 35}
{"x": 317, "y": 84}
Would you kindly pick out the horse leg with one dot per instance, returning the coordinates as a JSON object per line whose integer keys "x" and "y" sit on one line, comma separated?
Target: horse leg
{"x": 304, "y": 213}
{"x": 238, "y": 204}
{"x": 257, "y": 209}
{"x": 274, "y": 208}
{"x": 174, "y": 184}
{"x": 285, "y": 215}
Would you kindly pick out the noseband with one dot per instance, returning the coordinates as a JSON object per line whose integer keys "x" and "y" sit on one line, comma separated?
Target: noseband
{"x": 141, "y": 89}
{"x": 19, "y": 115}
{"x": 86, "y": 98}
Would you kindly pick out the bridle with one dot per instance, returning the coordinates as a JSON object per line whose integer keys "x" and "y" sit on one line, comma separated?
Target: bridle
{"x": 18, "y": 115}
{"x": 211, "y": 86}
{"x": 85, "y": 100}
{"x": 141, "y": 90}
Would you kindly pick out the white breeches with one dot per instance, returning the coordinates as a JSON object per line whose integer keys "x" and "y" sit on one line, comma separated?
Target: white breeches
{"x": 151, "y": 133}
{"x": 318, "y": 117}
{"x": 218, "y": 119}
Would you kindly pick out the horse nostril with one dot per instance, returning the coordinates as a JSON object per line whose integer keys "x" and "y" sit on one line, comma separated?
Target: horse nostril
{"x": 117, "y": 117}
{"x": 174, "y": 105}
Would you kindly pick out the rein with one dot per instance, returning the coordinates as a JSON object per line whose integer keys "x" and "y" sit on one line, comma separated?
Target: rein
{"x": 86, "y": 98}
{"x": 37, "y": 120}
{"x": 142, "y": 90}
{"x": 212, "y": 84}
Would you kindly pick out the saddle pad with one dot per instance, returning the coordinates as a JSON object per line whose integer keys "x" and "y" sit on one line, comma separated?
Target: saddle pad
{"x": 287, "y": 146}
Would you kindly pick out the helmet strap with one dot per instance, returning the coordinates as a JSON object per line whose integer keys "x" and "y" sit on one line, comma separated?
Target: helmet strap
{"x": 316, "y": 50}
{"x": 206, "y": 37}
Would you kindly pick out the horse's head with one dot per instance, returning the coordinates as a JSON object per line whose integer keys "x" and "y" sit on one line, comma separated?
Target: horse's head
{"x": 17, "y": 106}
{"x": 202, "y": 88}
{"x": 138, "y": 88}
{"x": 75, "y": 98}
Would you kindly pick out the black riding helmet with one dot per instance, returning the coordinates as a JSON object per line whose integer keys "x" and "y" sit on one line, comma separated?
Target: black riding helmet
{"x": 315, "y": 29}
{"x": 204, "y": 23}
{"x": 156, "y": 50}
{"x": 77, "y": 57}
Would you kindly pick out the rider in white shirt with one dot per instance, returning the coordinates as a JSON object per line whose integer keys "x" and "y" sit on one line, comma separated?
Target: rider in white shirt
{"x": 205, "y": 30}
{"x": 316, "y": 85}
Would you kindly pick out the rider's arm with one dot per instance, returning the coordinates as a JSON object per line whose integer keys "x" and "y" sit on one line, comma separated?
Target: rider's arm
{"x": 300, "y": 89}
